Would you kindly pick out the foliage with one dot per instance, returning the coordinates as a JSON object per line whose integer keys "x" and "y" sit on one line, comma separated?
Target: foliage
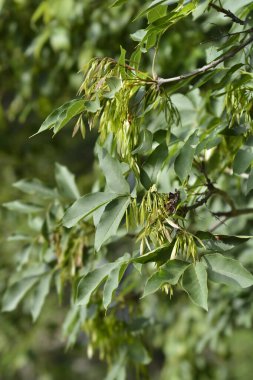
{"x": 174, "y": 165}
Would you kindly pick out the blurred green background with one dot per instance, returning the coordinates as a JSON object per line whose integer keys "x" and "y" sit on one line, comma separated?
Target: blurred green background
{"x": 43, "y": 46}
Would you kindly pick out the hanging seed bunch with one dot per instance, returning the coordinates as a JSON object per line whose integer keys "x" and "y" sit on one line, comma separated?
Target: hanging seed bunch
{"x": 114, "y": 101}
{"x": 154, "y": 212}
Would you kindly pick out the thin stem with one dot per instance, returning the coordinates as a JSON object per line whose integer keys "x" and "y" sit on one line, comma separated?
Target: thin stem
{"x": 234, "y": 213}
{"x": 228, "y": 13}
{"x": 211, "y": 65}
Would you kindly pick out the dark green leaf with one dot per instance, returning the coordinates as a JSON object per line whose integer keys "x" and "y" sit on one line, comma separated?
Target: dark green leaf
{"x": 159, "y": 255}
{"x": 66, "y": 182}
{"x": 35, "y": 186}
{"x": 138, "y": 353}
{"x": 227, "y": 271}
{"x": 183, "y": 162}
{"x": 156, "y": 13}
{"x": 16, "y": 292}
{"x": 110, "y": 220}
{"x": 113, "y": 280}
{"x": 89, "y": 283}
{"x": 146, "y": 138}
{"x": 118, "y": 2}
{"x": 113, "y": 173}
{"x": 250, "y": 182}
{"x": 220, "y": 243}
{"x": 153, "y": 165}
{"x": 169, "y": 273}
{"x": 242, "y": 160}
{"x": 92, "y": 105}
{"x": 85, "y": 206}
{"x": 26, "y": 208}
{"x": 40, "y": 292}
{"x": 62, "y": 115}
{"x": 195, "y": 284}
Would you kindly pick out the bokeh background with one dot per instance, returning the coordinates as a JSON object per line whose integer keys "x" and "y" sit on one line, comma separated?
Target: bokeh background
{"x": 44, "y": 46}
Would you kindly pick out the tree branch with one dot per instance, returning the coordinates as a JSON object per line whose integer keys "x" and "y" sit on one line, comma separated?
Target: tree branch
{"x": 228, "y": 13}
{"x": 234, "y": 213}
{"x": 211, "y": 65}
{"x": 201, "y": 202}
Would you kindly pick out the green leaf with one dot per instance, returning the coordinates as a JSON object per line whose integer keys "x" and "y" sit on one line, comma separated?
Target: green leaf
{"x": 89, "y": 283}
{"x": 92, "y": 105}
{"x": 156, "y": 13}
{"x": 195, "y": 284}
{"x": 115, "y": 85}
{"x": 62, "y": 115}
{"x": 113, "y": 280}
{"x": 227, "y": 271}
{"x": 26, "y": 208}
{"x": 113, "y": 172}
{"x": 110, "y": 220}
{"x": 118, "y": 2}
{"x": 158, "y": 255}
{"x": 169, "y": 273}
{"x": 138, "y": 353}
{"x": 183, "y": 162}
{"x": 250, "y": 182}
{"x": 138, "y": 35}
{"x": 66, "y": 182}
{"x": 85, "y": 206}
{"x": 242, "y": 160}
{"x": 153, "y": 165}
{"x": 122, "y": 62}
{"x": 118, "y": 369}
{"x": 75, "y": 108}
{"x": 146, "y": 138}
{"x": 72, "y": 324}
{"x": 35, "y": 186}
{"x": 220, "y": 243}
{"x": 40, "y": 292}
{"x": 153, "y": 4}
{"x": 16, "y": 292}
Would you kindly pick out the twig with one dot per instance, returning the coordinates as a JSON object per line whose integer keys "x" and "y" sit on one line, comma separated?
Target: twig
{"x": 211, "y": 65}
{"x": 199, "y": 203}
{"x": 234, "y": 213}
{"x": 217, "y": 225}
{"x": 236, "y": 33}
{"x": 212, "y": 190}
{"x": 228, "y": 13}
